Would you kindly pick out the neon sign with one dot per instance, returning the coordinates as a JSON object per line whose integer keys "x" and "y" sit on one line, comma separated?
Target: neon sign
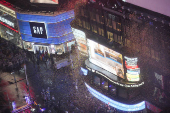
{"x": 116, "y": 104}
{"x": 6, "y": 21}
{"x": 120, "y": 84}
{"x": 8, "y": 27}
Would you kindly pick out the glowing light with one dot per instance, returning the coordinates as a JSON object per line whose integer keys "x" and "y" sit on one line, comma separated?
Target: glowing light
{"x": 8, "y": 27}
{"x": 116, "y": 104}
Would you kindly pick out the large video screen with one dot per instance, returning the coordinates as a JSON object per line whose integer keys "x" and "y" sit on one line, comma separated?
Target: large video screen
{"x": 106, "y": 58}
{"x": 45, "y": 1}
{"x": 133, "y": 71}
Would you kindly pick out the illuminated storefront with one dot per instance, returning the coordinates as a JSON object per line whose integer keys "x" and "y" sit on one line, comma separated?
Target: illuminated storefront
{"x": 116, "y": 104}
{"x": 8, "y": 26}
{"x": 51, "y": 33}
{"x": 106, "y": 76}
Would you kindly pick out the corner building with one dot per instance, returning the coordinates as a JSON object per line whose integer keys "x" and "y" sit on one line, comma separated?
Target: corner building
{"x": 44, "y": 27}
{"x": 127, "y": 46}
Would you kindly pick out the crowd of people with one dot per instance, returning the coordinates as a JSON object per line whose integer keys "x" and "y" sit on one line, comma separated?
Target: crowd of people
{"x": 12, "y": 58}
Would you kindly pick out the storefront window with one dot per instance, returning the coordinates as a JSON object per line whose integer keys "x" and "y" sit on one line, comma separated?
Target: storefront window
{"x": 96, "y": 80}
{"x": 112, "y": 90}
{"x": 105, "y": 84}
{"x": 28, "y": 45}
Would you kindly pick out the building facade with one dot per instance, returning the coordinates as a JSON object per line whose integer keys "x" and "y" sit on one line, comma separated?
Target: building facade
{"x": 33, "y": 30}
{"x": 133, "y": 32}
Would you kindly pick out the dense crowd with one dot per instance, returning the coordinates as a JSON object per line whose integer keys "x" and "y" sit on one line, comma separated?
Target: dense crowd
{"x": 12, "y": 58}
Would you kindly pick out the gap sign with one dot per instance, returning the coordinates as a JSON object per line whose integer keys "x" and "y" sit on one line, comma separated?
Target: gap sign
{"x": 38, "y": 30}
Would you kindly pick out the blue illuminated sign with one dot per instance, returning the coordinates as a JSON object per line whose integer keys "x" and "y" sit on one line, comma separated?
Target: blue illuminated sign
{"x": 58, "y": 28}
{"x": 116, "y": 104}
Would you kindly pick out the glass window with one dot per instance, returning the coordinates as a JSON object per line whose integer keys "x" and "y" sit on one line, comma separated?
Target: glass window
{"x": 84, "y": 24}
{"x": 118, "y": 26}
{"x": 102, "y": 19}
{"x": 119, "y": 39}
{"x": 87, "y": 26}
{"x": 114, "y": 25}
{"x": 94, "y": 28}
{"x": 97, "y": 18}
{"x": 112, "y": 90}
{"x": 105, "y": 84}
{"x": 79, "y": 22}
{"x": 96, "y": 80}
{"x": 110, "y": 36}
{"x": 115, "y": 37}
{"x": 82, "y": 12}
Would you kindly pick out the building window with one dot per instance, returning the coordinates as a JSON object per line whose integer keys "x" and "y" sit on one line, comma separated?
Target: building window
{"x": 112, "y": 90}
{"x": 119, "y": 39}
{"x": 101, "y": 31}
{"x": 105, "y": 84}
{"x": 96, "y": 80}
{"x": 94, "y": 28}
{"x": 84, "y": 24}
{"x": 82, "y": 12}
{"x": 118, "y": 26}
{"x": 108, "y": 22}
{"x": 87, "y": 26}
{"x": 97, "y": 18}
{"x": 115, "y": 37}
{"x": 128, "y": 43}
{"x": 85, "y": 13}
{"x": 110, "y": 36}
{"x": 92, "y": 16}
{"x": 114, "y": 25}
{"x": 102, "y": 19}
{"x": 79, "y": 22}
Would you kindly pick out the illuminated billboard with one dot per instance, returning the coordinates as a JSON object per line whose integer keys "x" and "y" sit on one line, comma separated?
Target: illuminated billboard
{"x": 38, "y": 30}
{"x": 132, "y": 69}
{"x": 45, "y": 1}
{"x": 106, "y": 58}
{"x": 81, "y": 40}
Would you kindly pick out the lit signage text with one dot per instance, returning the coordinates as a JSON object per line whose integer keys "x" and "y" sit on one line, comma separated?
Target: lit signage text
{"x": 7, "y": 21}
{"x": 120, "y": 84}
{"x": 38, "y": 30}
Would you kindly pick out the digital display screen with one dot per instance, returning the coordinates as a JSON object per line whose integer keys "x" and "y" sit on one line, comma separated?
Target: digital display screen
{"x": 133, "y": 71}
{"x": 45, "y": 1}
{"x": 106, "y": 58}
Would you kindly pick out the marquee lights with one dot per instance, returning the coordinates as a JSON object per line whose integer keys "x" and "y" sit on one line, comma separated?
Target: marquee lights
{"x": 120, "y": 84}
{"x": 116, "y": 104}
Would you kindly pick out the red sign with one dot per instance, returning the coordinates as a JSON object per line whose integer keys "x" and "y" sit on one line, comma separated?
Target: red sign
{"x": 130, "y": 66}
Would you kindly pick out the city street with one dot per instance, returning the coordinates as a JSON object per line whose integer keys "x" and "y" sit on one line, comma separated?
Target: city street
{"x": 66, "y": 87}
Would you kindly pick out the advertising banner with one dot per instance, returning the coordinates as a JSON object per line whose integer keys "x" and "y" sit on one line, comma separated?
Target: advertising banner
{"x": 133, "y": 71}
{"x": 81, "y": 40}
{"x": 38, "y": 30}
{"x": 106, "y": 58}
{"x": 45, "y": 1}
